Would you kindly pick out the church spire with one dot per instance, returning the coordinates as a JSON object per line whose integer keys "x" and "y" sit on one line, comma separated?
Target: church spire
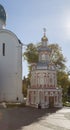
{"x": 44, "y": 29}
{"x": 44, "y": 38}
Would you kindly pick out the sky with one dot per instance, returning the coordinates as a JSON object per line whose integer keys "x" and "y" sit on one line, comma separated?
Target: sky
{"x": 27, "y": 18}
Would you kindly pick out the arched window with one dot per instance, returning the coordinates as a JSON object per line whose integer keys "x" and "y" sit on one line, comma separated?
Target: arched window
{"x": 43, "y": 56}
{"x": 3, "y": 49}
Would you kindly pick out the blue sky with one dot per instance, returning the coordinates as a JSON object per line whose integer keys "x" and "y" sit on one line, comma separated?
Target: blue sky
{"x": 27, "y": 18}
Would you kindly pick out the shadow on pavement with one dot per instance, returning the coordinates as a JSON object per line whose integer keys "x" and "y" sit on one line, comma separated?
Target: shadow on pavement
{"x": 16, "y": 118}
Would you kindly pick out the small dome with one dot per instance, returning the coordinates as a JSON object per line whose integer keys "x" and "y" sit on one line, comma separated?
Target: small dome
{"x": 44, "y": 38}
{"x": 2, "y": 14}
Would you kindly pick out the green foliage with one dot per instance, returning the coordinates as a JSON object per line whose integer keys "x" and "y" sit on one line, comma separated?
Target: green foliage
{"x": 13, "y": 105}
{"x": 31, "y": 54}
{"x": 67, "y": 104}
{"x": 62, "y": 78}
{"x": 57, "y": 56}
{"x": 68, "y": 93}
{"x": 26, "y": 82}
{"x": 63, "y": 81}
{"x": 69, "y": 89}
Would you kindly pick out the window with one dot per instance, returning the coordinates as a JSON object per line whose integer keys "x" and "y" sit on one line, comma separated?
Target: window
{"x": 3, "y": 49}
{"x": 50, "y": 80}
{"x": 43, "y": 57}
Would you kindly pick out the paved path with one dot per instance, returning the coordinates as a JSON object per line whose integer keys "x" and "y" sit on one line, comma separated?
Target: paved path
{"x": 56, "y": 121}
{"x": 28, "y": 118}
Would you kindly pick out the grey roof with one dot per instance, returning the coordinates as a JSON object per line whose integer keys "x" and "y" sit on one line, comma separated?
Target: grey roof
{"x": 44, "y": 49}
{"x": 43, "y": 63}
{"x": 2, "y": 14}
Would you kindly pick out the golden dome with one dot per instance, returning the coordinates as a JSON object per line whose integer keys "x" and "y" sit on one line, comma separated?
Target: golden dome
{"x": 44, "y": 38}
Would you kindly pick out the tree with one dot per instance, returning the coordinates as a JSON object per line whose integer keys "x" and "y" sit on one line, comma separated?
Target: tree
{"x": 63, "y": 81}
{"x": 57, "y": 57}
{"x": 31, "y": 55}
{"x": 68, "y": 94}
{"x": 25, "y": 84}
{"x": 68, "y": 91}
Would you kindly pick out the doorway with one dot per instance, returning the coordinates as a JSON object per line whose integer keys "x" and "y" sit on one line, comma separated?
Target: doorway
{"x": 51, "y": 101}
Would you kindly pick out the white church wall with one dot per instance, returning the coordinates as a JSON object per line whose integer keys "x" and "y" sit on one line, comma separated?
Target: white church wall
{"x": 11, "y": 66}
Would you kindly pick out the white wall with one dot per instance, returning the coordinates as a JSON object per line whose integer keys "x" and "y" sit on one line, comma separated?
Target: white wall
{"x": 11, "y": 66}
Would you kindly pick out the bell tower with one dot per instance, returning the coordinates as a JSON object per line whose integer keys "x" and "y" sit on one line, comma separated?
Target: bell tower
{"x": 43, "y": 91}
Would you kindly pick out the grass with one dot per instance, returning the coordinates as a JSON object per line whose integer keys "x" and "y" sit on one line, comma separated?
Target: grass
{"x": 12, "y": 105}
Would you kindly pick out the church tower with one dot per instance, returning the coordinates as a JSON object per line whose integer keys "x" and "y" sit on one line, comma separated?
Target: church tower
{"x": 43, "y": 91}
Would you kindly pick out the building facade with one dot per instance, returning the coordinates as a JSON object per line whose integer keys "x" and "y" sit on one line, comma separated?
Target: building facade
{"x": 43, "y": 91}
{"x": 10, "y": 63}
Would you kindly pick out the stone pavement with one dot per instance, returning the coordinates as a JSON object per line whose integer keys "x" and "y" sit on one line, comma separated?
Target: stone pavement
{"x": 28, "y": 118}
{"x": 56, "y": 121}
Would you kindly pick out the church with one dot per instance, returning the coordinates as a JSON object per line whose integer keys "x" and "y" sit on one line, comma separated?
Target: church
{"x": 43, "y": 91}
{"x": 10, "y": 63}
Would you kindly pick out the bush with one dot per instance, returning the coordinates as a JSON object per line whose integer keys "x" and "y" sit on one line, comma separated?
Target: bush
{"x": 67, "y": 104}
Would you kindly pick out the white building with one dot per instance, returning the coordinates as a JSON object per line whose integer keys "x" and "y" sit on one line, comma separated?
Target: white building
{"x": 10, "y": 63}
{"x": 43, "y": 91}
